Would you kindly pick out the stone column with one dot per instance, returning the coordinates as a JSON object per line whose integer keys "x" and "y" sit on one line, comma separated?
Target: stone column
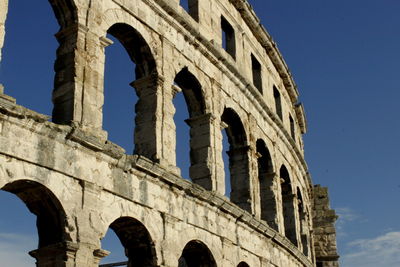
{"x": 69, "y": 78}
{"x": 219, "y": 168}
{"x": 239, "y": 162}
{"x": 60, "y": 255}
{"x": 3, "y": 16}
{"x": 290, "y": 217}
{"x": 269, "y": 199}
{"x": 201, "y": 150}
{"x": 256, "y": 176}
{"x": 149, "y": 119}
{"x": 91, "y": 119}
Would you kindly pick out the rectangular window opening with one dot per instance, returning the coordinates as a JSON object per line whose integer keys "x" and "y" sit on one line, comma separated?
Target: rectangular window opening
{"x": 291, "y": 127}
{"x": 278, "y": 103}
{"x": 191, "y": 7}
{"x": 228, "y": 37}
{"x": 256, "y": 69}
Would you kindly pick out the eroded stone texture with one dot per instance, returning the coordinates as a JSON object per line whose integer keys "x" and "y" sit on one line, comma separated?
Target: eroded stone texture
{"x": 3, "y": 15}
{"x": 324, "y": 229}
{"x": 230, "y": 83}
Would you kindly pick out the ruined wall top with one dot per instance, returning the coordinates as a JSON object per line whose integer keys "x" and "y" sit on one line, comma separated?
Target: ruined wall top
{"x": 324, "y": 219}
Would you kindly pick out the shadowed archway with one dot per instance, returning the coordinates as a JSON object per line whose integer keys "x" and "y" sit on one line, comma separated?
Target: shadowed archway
{"x": 137, "y": 242}
{"x": 51, "y": 221}
{"x": 266, "y": 178}
{"x": 238, "y": 159}
{"x": 289, "y": 216}
{"x": 196, "y": 254}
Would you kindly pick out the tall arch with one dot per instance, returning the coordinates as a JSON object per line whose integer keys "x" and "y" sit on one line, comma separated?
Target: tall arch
{"x": 289, "y": 210}
{"x": 238, "y": 160}
{"x": 137, "y": 48}
{"x": 266, "y": 178}
{"x": 196, "y": 254}
{"x": 67, "y": 74}
{"x": 200, "y": 129}
{"x": 136, "y": 239}
{"x": 146, "y": 84}
{"x": 65, "y": 12}
{"x": 65, "y": 69}
{"x": 50, "y": 220}
{"x": 303, "y": 219}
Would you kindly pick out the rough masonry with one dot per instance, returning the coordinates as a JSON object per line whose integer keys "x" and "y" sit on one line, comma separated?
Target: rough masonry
{"x": 233, "y": 78}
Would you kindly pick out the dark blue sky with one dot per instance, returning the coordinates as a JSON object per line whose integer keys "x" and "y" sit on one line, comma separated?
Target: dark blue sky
{"x": 344, "y": 56}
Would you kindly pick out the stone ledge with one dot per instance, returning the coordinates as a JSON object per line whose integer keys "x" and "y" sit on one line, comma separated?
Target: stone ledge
{"x": 155, "y": 170}
{"x": 215, "y": 199}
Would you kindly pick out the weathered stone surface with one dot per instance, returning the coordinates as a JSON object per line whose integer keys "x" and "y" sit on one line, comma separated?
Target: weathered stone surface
{"x": 3, "y": 15}
{"x": 68, "y": 169}
{"x": 324, "y": 229}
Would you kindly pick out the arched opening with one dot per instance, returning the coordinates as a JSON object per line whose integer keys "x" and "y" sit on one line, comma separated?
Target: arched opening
{"x": 199, "y": 123}
{"x": 289, "y": 216}
{"x": 18, "y": 234}
{"x": 111, "y": 243}
{"x": 303, "y": 218}
{"x": 22, "y": 57}
{"x": 238, "y": 160}
{"x": 196, "y": 254}
{"x": 138, "y": 245}
{"x": 119, "y": 97}
{"x": 243, "y": 264}
{"x": 182, "y": 135}
{"x": 121, "y": 101}
{"x": 27, "y": 64}
{"x": 267, "y": 185}
{"x": 50, "y": 218}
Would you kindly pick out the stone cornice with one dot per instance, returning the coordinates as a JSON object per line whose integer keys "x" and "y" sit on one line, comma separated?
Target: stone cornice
{"x": 268, "y": 43}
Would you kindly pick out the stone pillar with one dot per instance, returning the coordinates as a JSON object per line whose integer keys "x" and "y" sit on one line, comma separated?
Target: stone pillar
{"x": 92, "y": 83}
{"x": 219, "y": 162}
{"x": 78, "y": 94}
{"x": 304, "y": 233}
{"x": 269, "y": 199}
{"x": 290, "y": 217}
{"x": 201, "y": 150}
{"x": 324, "y": 219}
{"x": 149, "y": 119}
{"x": 60, "y": 255}
{"x": 169, "y": 127}
{"x": 3, "y": 16}
{"x": 239, "y": 162}
{"x": 69, "y": 77}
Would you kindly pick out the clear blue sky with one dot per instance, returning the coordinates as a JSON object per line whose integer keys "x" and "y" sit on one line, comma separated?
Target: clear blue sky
{"x": 344, "y": 56}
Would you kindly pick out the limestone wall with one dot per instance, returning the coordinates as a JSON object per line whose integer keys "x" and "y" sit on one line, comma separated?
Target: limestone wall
{"x": 95, "y": 184}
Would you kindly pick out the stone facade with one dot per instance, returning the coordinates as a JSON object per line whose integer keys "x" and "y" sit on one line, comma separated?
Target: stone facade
{"x": 234, "y": 79}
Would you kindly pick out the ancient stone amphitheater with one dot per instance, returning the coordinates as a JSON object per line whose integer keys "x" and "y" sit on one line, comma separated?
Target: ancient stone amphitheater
{"x": 233, "y": 79}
